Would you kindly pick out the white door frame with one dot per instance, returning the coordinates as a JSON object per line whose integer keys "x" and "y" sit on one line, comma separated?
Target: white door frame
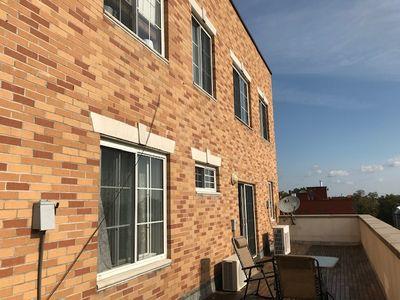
{"x": 243, "y": 208}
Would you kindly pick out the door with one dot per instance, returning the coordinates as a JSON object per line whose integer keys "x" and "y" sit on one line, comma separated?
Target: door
{"x": 247, "y": 215}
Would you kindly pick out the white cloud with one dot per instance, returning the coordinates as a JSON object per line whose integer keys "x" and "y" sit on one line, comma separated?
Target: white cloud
{"x": 394, "y": 162}
{"x": 371, "y": 168}
{"x": 315, "y": 170}
{"x": 338, "y": 173}
{"x": 350, "y": 182}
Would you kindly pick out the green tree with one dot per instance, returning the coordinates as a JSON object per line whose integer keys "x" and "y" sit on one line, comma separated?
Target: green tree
{"x": 387, "y": 205}
{"x": 283, "y": 194}
{"x": 366, "y": 204}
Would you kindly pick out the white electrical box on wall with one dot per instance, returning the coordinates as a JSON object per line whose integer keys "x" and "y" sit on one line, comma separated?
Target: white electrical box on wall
{"x": 44, "y": 215}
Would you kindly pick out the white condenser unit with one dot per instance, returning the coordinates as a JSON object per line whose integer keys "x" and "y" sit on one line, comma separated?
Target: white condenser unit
{"x": 232, "y": 275}
{"x": 281, "y": 239}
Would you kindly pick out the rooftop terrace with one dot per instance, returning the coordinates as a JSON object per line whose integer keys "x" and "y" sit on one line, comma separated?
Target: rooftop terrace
{"x": 368, "y": 251}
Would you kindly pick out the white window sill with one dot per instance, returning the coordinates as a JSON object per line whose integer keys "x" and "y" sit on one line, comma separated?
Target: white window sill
{"x": 126, "y": 274}
{"x": 202, "y": 192}
{"x": 201, "y": 90}
{"x": 135, "y": 36}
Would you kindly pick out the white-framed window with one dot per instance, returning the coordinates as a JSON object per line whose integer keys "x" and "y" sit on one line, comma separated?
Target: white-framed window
{"x": 133, "y": 203}
{"x": 241, "y": 97}
{"x": 270, "y": 201}
{"x": 205, "y": 178}
{"x": 202, "y": 57}
{"x": 264, "y": 121}
{"x": 144, "y": 18}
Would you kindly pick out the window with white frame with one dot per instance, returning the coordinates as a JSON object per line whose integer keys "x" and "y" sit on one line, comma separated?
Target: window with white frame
{"x": 143, "y": 17}
{"x": 241, "y": 97}
{"x": 270, "y": 201}
{"x": 133, "y": 203}
{"x": 264, "y": 122}
{"x": 206, "y": 178}
{"x": 202, "y": 57}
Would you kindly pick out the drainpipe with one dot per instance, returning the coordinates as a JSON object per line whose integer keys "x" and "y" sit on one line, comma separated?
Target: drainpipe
{"x": 43, "y": 218}
{"x": 42, "y": 235}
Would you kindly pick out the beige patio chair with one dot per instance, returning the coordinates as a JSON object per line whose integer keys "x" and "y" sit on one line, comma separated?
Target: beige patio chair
{"x": 254, "y": 270}
{"x": 300, "y": 277}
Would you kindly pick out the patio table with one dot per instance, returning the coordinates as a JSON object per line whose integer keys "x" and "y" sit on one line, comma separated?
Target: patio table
{"x": 326, "y": 261}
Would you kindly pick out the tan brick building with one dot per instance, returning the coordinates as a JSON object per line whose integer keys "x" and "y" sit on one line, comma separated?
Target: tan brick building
{"x": 154, "y": 117}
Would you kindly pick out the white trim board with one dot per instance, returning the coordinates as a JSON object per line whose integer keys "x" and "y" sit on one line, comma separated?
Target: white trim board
{"x": 128, "y": 272}
{"x": 240, "y": 66}
{"x": 137, "y": 135}
{"x": 201, "y": 13}
{"x": 206, "y": 157}
{"x": 262, "y": 95}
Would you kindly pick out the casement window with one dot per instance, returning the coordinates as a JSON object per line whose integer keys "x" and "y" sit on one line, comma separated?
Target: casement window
{"x": 206, "y": 178}
{"x": 202, "y": 57}
{"x": 241, "y": 97}
{"x": 270, "y": 201}
{"x": 142, "y": 17}
{"x": 264, "y": 122}
{"x": 133, "y": 203}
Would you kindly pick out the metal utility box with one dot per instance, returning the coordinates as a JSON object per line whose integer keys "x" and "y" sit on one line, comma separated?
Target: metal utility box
{"x": 281, "y": 239}
{"x": 233, "y": 277}
{"x": 44, "y": 215}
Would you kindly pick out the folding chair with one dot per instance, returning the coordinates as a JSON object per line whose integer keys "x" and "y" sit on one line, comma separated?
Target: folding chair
{"x": 254, "y": 270}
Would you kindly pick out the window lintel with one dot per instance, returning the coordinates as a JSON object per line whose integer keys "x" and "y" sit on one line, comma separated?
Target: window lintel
{"x": 138, "y": 135}
{"x": 240, "y": 66}
{"x": 206, "y": 157}
{"x": 262, "y": 96}
{"x": 201, "y": 15}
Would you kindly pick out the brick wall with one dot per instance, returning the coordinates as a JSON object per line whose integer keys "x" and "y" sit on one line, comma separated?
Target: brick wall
{"x": 329, "y": 206}
{"x": 61, "y": 60}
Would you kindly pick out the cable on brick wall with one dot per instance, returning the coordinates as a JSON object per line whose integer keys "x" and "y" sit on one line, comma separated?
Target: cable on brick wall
{"x": 103, "y": 219}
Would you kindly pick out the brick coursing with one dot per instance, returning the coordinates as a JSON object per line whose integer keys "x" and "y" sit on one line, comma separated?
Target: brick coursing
{"x": 61, "y": 60}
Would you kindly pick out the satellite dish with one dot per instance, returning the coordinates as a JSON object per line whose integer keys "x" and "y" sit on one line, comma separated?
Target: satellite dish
{"x": 289, "y": 204}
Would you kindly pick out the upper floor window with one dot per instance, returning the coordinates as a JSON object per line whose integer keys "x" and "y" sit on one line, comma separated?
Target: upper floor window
{"x": 202, "y": 57}
{"x": 241, "y": 97}
{"x": 133, "y": 205}
{"x": 206, "y": 178}
{"x": 143, "y": 17}
{"x": 264, "y": 122}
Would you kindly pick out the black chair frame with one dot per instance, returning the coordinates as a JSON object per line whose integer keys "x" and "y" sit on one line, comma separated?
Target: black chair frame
{"x": 323, "y": 294}
{"x": 259, "y": 265}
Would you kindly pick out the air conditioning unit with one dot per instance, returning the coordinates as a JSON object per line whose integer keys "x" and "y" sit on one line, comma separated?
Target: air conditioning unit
{"x": 281, "y": 239}
{"x": 232, "y": 274}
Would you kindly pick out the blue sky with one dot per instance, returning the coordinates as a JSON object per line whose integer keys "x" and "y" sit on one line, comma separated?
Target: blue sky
{"x": 336, "y": 87}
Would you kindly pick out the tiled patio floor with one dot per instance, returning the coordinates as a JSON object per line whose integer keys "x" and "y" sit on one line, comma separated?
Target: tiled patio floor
{"x": 351, "y": 279}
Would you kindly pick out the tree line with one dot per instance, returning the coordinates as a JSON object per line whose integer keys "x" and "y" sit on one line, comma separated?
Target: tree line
{"x": 381, "y": 207}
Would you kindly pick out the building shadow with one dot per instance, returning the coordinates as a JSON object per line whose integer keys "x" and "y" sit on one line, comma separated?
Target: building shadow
{"x": 268, "y": 245}
{"x": 218, "y": 276}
